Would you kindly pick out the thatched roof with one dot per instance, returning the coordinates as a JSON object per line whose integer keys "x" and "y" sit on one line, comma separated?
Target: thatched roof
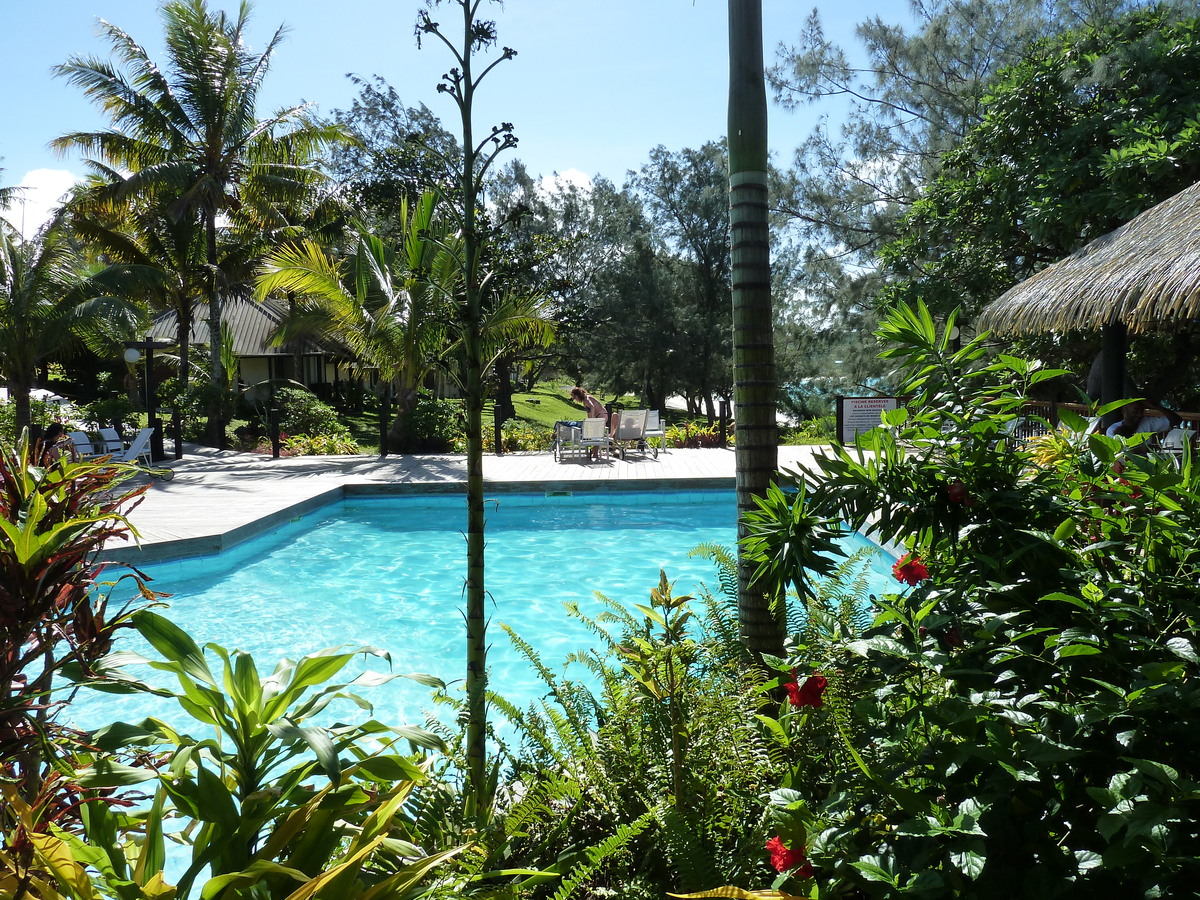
{"x": 1145, "y": 274}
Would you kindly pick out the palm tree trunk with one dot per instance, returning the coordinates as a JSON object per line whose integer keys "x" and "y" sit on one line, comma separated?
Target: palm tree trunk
{"x": 216, "y": 408}
{"x": 762, "y": 627}
{"x": 19, "y": 395}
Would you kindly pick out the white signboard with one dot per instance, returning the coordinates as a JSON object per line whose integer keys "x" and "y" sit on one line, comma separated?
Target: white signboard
{"x": 859, "y": 414}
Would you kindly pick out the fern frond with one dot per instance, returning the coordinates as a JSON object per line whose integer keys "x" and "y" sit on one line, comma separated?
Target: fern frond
{"x": 598, "y": 854}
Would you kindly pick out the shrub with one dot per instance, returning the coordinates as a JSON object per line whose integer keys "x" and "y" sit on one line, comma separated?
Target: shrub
{"x": 433, "y": 425}
{"x": 820, "y": 429}
{"x": 55, "y": 624}
{"x": 321, "y": 445}
{"x": 301, "y": 412}
{"x": 40, "y": 413}
{"x": 1022, "y": 722}
{"x": 516, "y": 436}
{"x": 697, "y": 434}
{"x": 111, "y": 411}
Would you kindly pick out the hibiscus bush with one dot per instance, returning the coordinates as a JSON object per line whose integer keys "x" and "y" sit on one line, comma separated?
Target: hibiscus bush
{"x": 1021, "y": 722}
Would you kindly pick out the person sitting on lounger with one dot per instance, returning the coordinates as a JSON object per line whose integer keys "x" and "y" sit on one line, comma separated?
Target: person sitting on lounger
{"x": 1138, "y": 417}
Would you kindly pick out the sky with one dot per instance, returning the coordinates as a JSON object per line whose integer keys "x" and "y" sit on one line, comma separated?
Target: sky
{"x": 593, "y": 88}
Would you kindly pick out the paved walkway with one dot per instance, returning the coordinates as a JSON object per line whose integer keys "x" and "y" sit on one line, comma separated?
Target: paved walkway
{"x": 217, "y": 498}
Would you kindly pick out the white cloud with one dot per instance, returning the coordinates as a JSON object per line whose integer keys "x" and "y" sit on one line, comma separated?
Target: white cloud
{"x": 42, "y": 191}
{"x": 561, "y": 180}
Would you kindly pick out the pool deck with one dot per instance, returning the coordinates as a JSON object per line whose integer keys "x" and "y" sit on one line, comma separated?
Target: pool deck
{"x": 218, "y": 498}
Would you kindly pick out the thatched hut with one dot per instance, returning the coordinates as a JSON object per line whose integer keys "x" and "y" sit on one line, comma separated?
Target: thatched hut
{"x": 1144, "y": 276}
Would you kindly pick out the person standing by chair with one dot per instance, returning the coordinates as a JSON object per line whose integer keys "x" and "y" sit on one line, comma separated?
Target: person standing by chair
{"x": 593, "y": 407}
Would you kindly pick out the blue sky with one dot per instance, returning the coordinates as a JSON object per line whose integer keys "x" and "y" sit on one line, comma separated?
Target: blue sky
{"x": 593, "y": 88}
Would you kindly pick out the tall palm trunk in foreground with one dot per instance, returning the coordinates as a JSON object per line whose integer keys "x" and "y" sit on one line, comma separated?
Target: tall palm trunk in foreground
{"x": 762, "y": 628}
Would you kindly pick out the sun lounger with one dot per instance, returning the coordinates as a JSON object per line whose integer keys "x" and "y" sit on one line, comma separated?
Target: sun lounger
{"x": 580, "y": 439}
{"x": 138, "y": 451}
{"x": 655, "y": 429}
{"x": 85, "y": 447}
{"x": 629, "y": 431}
{"x": 110, "y": 442}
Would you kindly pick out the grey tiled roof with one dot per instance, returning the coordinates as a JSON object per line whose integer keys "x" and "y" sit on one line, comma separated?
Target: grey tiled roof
{"x": 252, "y": 324}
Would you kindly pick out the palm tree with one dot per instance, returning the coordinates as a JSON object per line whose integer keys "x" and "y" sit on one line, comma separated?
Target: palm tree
{"x": 762, "y": 628}
{"x": 8, "y": 196}
{"x": 153, "y": 258}
{"x": 47, "y": 302}
{"x": 188, "y": 133}
{"x": 394, "y": 307}
{"x": 388, "y": 304}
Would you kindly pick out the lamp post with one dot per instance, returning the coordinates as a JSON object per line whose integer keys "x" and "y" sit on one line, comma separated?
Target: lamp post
{"x": 132, "y": 356}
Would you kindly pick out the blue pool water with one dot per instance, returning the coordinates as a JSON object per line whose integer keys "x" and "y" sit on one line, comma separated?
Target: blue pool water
{"x": 388, "y": 572}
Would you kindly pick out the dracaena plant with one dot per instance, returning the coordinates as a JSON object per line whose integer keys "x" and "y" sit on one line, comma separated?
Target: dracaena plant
{"x": 268, "y": 801}
{"x": 54, "y": 619}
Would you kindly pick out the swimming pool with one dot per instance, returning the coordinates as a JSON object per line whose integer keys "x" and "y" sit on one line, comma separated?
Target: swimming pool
{"x": 388, "y": 572}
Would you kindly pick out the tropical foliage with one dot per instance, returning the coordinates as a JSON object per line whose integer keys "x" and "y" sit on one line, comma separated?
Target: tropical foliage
{"x": 188, "y": 136}
{"x": 55, "y": 621}
{"x": 1015, "y": 724}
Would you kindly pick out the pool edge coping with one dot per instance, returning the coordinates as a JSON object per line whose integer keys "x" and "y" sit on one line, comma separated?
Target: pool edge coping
{"x": 177, "y": 549}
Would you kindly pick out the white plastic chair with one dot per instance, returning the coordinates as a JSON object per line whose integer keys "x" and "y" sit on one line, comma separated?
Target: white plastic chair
{"x": 110, "y": 442}
{"x": 85, "y": 448}
{"x": 138, "y": 450}
{"x": 654, "y": 429}
{"x": 593, "y": 435}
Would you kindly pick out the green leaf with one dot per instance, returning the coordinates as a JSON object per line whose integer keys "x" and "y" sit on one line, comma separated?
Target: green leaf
{"x": 108, "y": 774}
{"x": 1184, "y": 649}
{"x": 390, "y": 768}
{"x": 174, "y": 644}
{"x": 1076, "y": 650}
{"x": 969, "y": 863}
{"x": 873, "y": 872}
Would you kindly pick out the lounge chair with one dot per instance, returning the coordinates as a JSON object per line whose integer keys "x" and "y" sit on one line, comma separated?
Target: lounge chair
{"x": 655, "y": 429}
{"x": 579, "y": 439}
{"x": 110, "y": 442}
{"x": 85, "y": 447}
{"x": 629, "y": 430}
{"x": 138, "y": 450}
{"x": 566, "y": 440}
{"x": 593, "y": 436}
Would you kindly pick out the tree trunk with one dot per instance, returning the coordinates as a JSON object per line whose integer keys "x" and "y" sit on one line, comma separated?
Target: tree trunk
{"x": 216, "y": 406}
{"x": 762, "y": 627}
{"x": 19, "y": 393}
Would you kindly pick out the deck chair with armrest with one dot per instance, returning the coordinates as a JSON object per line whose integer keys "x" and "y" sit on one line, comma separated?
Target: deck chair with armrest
{"x": 138, "y": 451}
{"x": 566, "y": 440}
{"x": 629, "y": 431}
{"x": 655, "y": 429}
{"x": 85, "y": 447}
{"x": 110, "y": 442}
{"x": 593, "y": 435}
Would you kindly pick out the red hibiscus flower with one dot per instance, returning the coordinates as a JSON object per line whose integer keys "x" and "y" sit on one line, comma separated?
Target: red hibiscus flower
{"x": 957, "y": 493}
{"x": 784, "y": 859}
{"x": 793, "y": 689}
{"x": 809, "y": 693}
{"x": 910, "y": 570}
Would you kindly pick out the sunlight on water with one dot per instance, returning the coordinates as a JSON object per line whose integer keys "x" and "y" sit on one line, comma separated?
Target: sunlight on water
{"x": 389, "y": 573}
